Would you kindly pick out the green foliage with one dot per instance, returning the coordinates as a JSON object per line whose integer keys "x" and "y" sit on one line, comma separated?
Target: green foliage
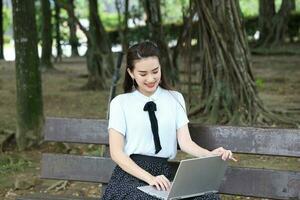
{"x": 38, "y": 18}
{"x": 249, "y": 8}
{"x": 277, "y": 4}
{"x": 6, "y": 39}
{"x": 171, "y": 14}
{"x": 82, "y": 8}
{"x": 109, "y": 20}
{"x": 259, "y": 83}
{"x": 10, "y": 164}
{"x": 297, "y": 6}
{"x": 172, "y": 10}
{"x": 94, "y": 150}
{"x": 7, "y": 18}
{"x": 140, "y": 33}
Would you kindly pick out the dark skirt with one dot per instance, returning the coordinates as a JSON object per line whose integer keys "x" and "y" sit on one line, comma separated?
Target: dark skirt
{"x": 123, "y": 186}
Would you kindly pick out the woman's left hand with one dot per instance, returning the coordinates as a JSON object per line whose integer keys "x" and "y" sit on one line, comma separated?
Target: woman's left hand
{"x": 225, "y": 154}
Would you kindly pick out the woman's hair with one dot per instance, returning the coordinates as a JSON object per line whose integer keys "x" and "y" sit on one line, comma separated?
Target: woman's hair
{"x": 137, "y": 52}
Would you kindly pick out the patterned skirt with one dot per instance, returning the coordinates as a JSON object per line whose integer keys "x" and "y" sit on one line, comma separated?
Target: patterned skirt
{"x": 123, "y": 186}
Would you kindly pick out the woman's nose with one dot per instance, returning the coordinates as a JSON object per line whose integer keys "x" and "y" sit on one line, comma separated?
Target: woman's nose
{"x": 151, "y": 78}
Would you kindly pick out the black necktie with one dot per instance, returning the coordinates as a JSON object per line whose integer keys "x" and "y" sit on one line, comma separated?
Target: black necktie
{"x": 151, "y": 107}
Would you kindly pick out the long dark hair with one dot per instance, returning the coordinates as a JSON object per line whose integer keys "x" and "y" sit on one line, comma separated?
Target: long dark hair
{"x": 138, "y": 52}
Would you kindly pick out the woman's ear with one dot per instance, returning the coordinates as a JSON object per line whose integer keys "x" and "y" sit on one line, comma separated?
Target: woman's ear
{"x": 130, "y": 73}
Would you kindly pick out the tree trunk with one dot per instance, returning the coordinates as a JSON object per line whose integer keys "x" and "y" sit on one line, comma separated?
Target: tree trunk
{"x": 274, "y": 29}
{"x": 28, "y": 79}
{"x": 125, "y": 33}
{"x": 1, "y": 31}
{"x": 293, "y": 6}
{"x": 72, "y": 26}
{"x": 154, "y": 24}
{"x": 184, "y": 34}
{"x": 45, "y": 63}
{"x": 228, "y": 91}
{"x": 123, "y": 27}
{"x": 266, "y": 14}
{"x": 102, "y": 38}
{"x": 57, "y": 31}
{"x": 97, "y": 74}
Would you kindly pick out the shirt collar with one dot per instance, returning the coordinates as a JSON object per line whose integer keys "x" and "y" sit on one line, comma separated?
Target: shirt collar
{"x": 153, "y": 97}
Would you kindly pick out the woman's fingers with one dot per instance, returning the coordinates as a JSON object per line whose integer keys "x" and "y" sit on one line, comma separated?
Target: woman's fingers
{"x": 225, "y": 154}
{"x": 231, "y": 157}
{"x": 167, "y": 182}
{"x": 228, "y": 155}
{"x": 157, "y": 185}
{"x": 221, "y": 152}
{"x": 162, "y": 183}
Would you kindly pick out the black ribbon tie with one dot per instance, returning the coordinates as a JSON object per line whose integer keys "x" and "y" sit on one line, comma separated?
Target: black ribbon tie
{"x": 151, "y": 107}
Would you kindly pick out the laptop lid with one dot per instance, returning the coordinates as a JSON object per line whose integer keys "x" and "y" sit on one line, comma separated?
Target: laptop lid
{"x": 198, "y": 176}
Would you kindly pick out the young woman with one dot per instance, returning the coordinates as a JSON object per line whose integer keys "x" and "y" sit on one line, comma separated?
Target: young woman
{"x": 145, "y": 124}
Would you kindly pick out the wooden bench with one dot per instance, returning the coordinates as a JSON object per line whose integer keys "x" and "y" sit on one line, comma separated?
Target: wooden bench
{"x": 244, "y": 181}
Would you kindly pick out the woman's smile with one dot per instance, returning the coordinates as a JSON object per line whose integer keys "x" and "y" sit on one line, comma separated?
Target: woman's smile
{"x": 150, "y": 85}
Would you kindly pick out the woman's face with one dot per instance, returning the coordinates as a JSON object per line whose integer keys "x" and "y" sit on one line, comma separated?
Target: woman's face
{"x": 147, "y": 74}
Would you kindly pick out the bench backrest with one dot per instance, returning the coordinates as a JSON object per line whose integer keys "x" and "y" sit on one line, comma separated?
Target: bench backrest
{"x": 267, "y": 183}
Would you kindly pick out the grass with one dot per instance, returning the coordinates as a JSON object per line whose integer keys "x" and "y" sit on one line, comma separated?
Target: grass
{"x": 61, "y": 94}
{"x": 9, "y": 164}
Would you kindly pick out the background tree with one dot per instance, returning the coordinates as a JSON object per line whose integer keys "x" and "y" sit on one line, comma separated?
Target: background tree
{"x": 154, "y": 23}
{"x": 266, "y": 13}
{"x": 1, "y": 31}
{"x": 28, "y": 79}
{"x": 125, "y": 33}
{"x": 183, "y": 35}
{"x": 293, "y": 4}
{"x": 273, "y": 26}
{"x": 96, "y": 79}
{"x": 227, "y": 87}
{"x": 45, "y": 63}
{"x": 98, "y": 54}
{"x": 72, "y": 27}
{"x": 101, "y": 38}
{"x": 123, "y": 27}
{"x": 57, "y": 32}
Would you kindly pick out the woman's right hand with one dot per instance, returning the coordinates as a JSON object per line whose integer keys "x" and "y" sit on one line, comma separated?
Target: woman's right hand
{"x": 160, "y": 182}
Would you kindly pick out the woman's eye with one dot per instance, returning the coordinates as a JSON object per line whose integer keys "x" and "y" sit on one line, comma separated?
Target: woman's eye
{"x": 143, "y": 74}
{"x": 155, "y": 72}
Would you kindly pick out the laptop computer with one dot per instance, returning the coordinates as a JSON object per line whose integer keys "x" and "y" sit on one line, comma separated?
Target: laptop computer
{"x": 194, "y": 177}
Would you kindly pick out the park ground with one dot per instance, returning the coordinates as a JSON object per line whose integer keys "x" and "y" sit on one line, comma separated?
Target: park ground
{"x": 278, "y": 82}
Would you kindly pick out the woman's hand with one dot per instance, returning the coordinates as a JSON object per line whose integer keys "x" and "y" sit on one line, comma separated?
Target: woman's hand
{"x": 226, "y": 154}
{"x": 160, "y": 182}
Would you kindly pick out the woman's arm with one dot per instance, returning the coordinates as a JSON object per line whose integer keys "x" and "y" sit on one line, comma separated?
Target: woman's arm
{"x": 116, "y": 146}
{"x": 187, "y": 145}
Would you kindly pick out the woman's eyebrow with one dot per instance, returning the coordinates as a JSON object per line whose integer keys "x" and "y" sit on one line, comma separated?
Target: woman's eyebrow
{"x": 152, "y": 70}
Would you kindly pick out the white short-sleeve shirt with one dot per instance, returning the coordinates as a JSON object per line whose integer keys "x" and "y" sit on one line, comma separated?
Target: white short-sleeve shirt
{"x": 128, "y": 117}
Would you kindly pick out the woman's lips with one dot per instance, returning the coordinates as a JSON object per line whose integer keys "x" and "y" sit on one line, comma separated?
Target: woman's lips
{"x": 150, "y": 85}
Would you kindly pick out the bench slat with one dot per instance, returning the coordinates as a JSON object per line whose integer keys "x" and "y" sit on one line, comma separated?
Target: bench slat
{"x": 266, "y": 141}
{"x": 74, "y": 167}
{"x": 238, "y": 181}
{"x": 273, "y": 184}
{"x": 91, "y": 131}
{"x": 250, "y": 140}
